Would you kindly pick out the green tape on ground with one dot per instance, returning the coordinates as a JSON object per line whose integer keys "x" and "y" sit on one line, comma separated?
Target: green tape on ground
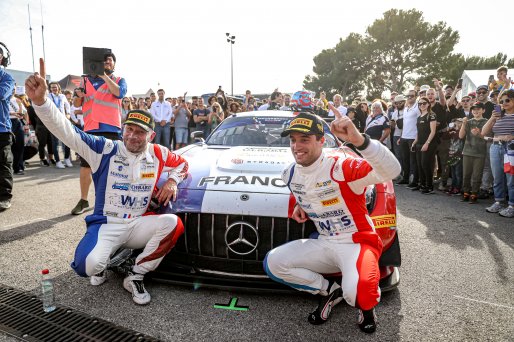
{"x": 231, "y": 306}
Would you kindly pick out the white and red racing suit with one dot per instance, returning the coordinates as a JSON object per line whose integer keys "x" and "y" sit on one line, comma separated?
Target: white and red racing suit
{"x": 124, "y": 183}
{"x": 332, "y": 193}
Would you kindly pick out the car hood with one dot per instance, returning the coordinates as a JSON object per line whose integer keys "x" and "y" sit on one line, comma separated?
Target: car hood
{"x": 239, "y": 168}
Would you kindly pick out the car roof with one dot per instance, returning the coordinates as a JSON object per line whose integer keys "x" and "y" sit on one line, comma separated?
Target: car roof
{"x": 270, "y": 113}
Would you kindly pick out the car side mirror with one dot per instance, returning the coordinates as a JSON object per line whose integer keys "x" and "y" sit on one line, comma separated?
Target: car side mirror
{"x": 197, "y": 136}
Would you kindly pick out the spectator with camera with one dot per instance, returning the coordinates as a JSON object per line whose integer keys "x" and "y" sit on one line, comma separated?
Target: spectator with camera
{"x": 182, "y": 116}
{"x": 101, "y": 106}
{"x": 216, "y": 116}
{"x": 455, "y": 157}
{"x": 502, "y": 83}
{"x": 501, "y": 124}
{"x": 474, "y": 152}
{"x": 337, "y": 99}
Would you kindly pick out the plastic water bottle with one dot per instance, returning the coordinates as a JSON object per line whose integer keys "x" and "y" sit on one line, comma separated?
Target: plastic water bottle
{"x": 47, "y": 291}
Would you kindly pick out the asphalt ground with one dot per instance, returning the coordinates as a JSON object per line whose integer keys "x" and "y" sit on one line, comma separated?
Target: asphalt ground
{"x": 457, "y": 276}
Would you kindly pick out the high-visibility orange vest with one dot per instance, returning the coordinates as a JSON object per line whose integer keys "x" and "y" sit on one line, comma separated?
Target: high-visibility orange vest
{"x": 100, "y": 106}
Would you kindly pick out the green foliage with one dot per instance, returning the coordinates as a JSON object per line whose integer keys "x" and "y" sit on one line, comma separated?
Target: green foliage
{"x": 398, "y": 51}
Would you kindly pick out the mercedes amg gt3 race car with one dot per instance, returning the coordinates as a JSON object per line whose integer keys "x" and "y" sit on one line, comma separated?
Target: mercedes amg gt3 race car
{"x": 235, "y": 207}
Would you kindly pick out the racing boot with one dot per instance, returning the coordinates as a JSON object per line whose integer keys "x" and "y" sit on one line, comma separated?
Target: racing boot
{"x": 326, "y": 303}
{"x": 367, "y": 321}
{"x": 133, "y": 283}
{"x": 99, "y": 278}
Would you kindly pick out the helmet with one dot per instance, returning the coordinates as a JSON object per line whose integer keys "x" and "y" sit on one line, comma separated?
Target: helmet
{"x": 302, "y": 100}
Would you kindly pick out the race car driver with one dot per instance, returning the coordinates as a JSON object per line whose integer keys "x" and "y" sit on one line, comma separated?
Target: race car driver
{"x": 330, "y": 190}
{"x": 124, "y": 175}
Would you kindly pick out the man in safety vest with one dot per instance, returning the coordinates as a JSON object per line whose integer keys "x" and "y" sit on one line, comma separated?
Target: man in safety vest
{"x": 100, "y": 97}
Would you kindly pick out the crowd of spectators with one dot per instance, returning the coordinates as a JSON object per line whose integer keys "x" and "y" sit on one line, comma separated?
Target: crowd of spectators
{"x": 437, "y": 133}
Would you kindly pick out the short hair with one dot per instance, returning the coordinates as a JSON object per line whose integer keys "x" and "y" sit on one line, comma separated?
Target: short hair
{"x": 66, "y": 92}
{"x": 152, "y": 94}
{"x": 194, "y": 98}
{"x": 338, "y": 96}
{"x": 110, "y": 54}
{"x": 502, "y": 68}
{"x": 275, "y": 95}
{"x": 160, "y": 90}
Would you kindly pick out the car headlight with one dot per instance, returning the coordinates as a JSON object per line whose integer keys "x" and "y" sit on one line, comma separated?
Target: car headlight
{"x": 371, "y": 198}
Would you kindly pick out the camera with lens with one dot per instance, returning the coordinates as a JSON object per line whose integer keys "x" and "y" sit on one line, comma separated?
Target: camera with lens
{"x": 93, "y": 60}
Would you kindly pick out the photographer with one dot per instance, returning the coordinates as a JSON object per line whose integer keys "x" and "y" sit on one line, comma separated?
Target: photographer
{"x": 216, "y": 116}
{"x": 6, "y": 139}
{"x": 101, "y": 107}
{"x": 182, "y": 117}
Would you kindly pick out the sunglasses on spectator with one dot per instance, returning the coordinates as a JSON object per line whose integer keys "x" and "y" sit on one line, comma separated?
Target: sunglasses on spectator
{"x": 465, "y": 100}
{"x": 505, "y": 101}
{"x": 481, "y": 92}
{"x": 422, "y": 103}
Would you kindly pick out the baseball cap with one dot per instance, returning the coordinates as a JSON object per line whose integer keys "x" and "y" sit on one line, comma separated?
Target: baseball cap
{"x": 304, "y": 123}
{"x": 483, "y": 86}
{"x": 399, "y": 98}
{"x": 424, "y": 87}
{"x": 141, "y": 118}
{"x": 478, "y": 105}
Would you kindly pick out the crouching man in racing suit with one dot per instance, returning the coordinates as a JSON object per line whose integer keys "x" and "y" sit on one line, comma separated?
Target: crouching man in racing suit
{"x": 330, "y": 190}
{"x": 125, "y": 175}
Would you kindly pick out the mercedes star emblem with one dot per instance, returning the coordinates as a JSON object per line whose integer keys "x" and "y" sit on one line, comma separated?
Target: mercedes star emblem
{"x": 241, "y": 238}
{"x": 245, "y": 197}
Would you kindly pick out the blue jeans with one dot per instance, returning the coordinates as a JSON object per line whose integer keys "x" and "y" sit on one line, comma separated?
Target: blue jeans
{"x": 457, "y": 175}
{"x": 501, "y": 179}
{"x": 162, "y": 134}
{"x": 55, "y": 145}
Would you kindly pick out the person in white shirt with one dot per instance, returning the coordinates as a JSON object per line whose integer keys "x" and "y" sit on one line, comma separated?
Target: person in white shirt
{"x": 397, "y": 124}
{"x": 409, "y": 132}
{"x": 63, "y": 105}
{"x": 338, "y": 104}
{"x": 163, "y": 116}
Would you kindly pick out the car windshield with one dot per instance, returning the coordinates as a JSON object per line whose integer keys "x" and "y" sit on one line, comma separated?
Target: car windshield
{"x": 257, "y": 131}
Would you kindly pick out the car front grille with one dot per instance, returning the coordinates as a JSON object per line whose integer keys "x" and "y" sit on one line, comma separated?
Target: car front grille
{"x": 204, "y": 235}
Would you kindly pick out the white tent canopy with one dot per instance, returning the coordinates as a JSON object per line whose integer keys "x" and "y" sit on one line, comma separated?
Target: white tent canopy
{"x": 471, "y": 79}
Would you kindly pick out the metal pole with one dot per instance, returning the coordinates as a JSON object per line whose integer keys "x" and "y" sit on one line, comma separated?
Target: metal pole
{"x": 43, "y": 31}
{"x": 231, "y": 71}
{"x": 31, "y": 42}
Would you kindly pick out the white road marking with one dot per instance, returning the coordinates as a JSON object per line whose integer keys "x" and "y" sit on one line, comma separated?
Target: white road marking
{"x": 483, "y": 302}
{"x": 29, "y": 221}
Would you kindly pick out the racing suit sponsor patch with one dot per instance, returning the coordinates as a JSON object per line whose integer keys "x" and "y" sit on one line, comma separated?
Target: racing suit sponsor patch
{"x": 147, "y": 174}
{"x": 121, "y": 186}
{"x": 330, "y": 202}
{"x": 323, "y": 184}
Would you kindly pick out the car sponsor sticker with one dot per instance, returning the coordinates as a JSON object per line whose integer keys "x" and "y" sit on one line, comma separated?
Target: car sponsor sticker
{"x": 147, "y": 174}
{"x": 229, "y": 180}
{"x": 330, "y": 202}
{"x": 384, "y": 221}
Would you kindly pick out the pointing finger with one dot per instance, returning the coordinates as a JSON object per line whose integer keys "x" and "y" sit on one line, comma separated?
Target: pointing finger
{"x": 42, "y": 68}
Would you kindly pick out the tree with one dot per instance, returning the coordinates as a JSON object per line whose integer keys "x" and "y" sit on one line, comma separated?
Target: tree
{"x": 339, "y": 70}
{"x": 402, "y": 44}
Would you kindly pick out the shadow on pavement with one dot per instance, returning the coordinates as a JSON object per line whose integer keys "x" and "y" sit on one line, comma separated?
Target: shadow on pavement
{"x": 470, "y": 226}
{"x": 30, "y": 228}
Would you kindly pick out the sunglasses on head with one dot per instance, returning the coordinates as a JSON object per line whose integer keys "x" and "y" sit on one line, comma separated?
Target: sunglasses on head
{"x": 505, "y": 101}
